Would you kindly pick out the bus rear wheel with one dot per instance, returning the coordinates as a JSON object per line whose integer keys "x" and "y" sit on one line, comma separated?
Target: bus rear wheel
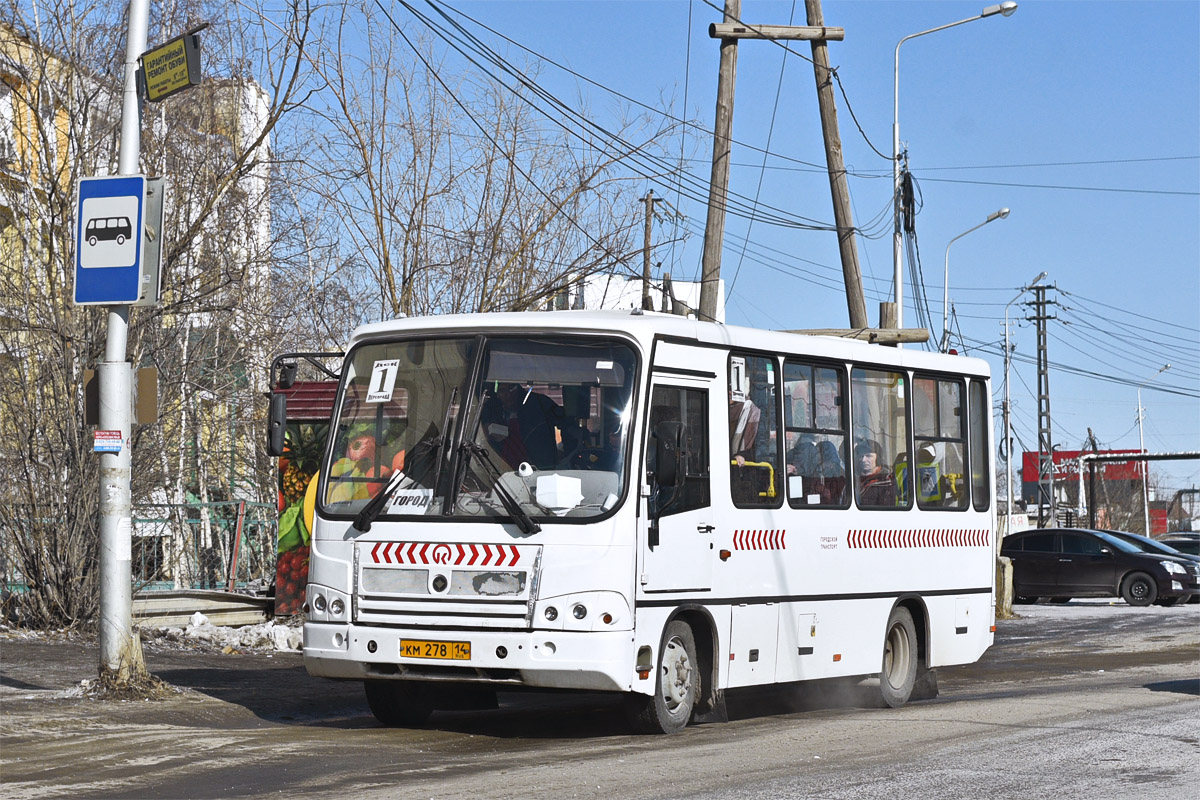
{"x": 899, "y": 669}
{"x": 676, "y": 688}
{"x": 398, "y": 703}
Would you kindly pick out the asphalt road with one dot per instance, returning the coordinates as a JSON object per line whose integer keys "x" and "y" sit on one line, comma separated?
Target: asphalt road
{"x": 1086, "y": 700}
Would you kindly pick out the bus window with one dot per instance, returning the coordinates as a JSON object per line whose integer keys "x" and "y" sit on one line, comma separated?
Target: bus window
{"x": 815, "y": 435}
{"x": 939, "y": 427}
{"x": 978, "y": 414}
{"x": 753, "y": 431}
{"x": 880, "y": 425}
{"x": 674, "y": 404}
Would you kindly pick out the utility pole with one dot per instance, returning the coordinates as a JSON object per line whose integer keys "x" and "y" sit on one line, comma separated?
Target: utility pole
{"x": 120, "y": 653}
{"x": 718, "y": 185}
{"x": 729, "y": 32}
{"x": 649, "y": 200}
{"x": 842, "y": 215}
{"x": 1045, "y": 439}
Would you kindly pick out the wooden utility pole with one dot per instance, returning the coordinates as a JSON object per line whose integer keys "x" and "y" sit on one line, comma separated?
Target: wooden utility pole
{"x": 729, "y": 32}
{"x": 718, "y": 185}
{"x": 649, "y": 200}
{"x": 842, "y": 215}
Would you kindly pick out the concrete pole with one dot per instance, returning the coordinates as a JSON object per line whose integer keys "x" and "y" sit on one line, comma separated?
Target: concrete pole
{"x": 842, "y": 215}
{"x": 718, "y": 188}
{"x": 647, "y": 304}
{"x": 119, "y": 654}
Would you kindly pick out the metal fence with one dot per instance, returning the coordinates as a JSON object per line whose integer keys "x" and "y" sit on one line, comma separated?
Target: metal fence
{"x": 222, "y": 545}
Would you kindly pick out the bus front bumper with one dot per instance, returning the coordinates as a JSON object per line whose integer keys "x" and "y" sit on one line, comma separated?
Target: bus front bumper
{"x": 587, "y": 660}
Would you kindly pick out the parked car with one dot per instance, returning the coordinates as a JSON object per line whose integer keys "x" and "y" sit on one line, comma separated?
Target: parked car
{"x": 1148, "y": 545}
{"x": 1189, "y": 544}
{"x": 1061, "y": 563}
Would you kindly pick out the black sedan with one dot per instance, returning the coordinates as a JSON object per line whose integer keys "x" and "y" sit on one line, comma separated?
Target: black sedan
{"x": 1148, "y": 545}
{"x": 1061, "y": 563}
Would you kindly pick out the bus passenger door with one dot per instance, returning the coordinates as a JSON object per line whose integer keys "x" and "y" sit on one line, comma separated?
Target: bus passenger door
{"x": 677, "y": 545}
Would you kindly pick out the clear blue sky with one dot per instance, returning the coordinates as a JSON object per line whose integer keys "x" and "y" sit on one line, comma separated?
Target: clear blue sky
{"x": 1082, "y": 117}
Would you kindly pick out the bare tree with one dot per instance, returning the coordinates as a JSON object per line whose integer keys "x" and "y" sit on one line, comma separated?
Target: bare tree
{"x": 452, "y": 192}
{"x": 211, "y": 335}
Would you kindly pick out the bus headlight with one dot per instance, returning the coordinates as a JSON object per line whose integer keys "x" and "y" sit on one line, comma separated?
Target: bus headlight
{"x": 336, "y": 607}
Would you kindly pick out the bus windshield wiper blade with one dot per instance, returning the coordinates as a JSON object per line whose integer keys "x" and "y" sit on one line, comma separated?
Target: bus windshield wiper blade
{"x": 510, "y": 503}
{"x": 362, "y": 522}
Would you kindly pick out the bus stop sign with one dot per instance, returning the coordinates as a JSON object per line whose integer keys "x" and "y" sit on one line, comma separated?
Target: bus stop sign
{"x": 108, "y": 240}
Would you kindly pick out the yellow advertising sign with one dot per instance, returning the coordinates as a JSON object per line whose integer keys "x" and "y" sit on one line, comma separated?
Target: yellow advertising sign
{"x": 171, "y": 67}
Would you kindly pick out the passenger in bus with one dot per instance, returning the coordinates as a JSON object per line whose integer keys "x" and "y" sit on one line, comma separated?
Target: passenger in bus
{"x": 833, "y": 473}
{"x": 743, "y": 427}
{"x": 803, "y": 459}
{"x": 876, "y": 484}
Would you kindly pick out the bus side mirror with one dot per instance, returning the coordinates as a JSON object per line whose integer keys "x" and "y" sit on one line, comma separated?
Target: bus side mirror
{"x": 277, "y": 424}
{"x": 668, "y": 447}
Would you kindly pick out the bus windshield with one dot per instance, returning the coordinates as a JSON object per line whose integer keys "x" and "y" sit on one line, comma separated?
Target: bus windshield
{"x": 478, "y": 423}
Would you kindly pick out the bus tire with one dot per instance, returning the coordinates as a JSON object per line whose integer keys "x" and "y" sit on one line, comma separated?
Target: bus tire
{"x": 398, "y": 704}
{"x": 898, "y": 672}
{"x": 676, "y": 688}
{"x": 1138, "y": 589}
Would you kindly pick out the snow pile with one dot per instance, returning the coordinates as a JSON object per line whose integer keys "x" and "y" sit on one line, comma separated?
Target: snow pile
{"x": 200, "y": 632}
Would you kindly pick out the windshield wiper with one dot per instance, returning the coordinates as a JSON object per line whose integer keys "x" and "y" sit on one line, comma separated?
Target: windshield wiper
{"x": 362, "y": 522}
{"x": 510, "y": 503}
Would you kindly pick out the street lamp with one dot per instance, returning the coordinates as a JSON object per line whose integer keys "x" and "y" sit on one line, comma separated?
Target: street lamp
{"x": 995, "y": 215}
{"x": 1007, "y": 404}
{"x": 1146, "y": 464}
{"x": 1004, "y": 9}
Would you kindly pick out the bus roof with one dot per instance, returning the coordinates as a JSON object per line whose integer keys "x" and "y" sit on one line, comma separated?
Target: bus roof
{"x": 645, "y": 326}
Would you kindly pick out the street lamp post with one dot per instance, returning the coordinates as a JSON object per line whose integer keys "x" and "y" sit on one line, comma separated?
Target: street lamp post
{"x": 1005, "y": 9}
{"x": 1007, "y": 406}
{"x": 995, "y": 215}
{"x": 1146, "y": 464}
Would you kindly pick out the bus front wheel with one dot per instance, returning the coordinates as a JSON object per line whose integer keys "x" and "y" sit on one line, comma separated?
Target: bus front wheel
{"x": 899, "y": 669}
{"x": 676, "y": 687}
{"x": 398, "y": 703}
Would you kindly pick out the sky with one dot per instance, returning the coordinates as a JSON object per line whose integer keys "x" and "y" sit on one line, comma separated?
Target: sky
{"x": 1082, "y": 118}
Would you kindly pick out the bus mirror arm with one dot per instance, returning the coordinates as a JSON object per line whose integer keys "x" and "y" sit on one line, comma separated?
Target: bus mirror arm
{"x": 277, "y": 425}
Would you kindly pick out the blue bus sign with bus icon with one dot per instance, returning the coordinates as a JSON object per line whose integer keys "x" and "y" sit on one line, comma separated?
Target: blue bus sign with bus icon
{"x": 109, "y": 242}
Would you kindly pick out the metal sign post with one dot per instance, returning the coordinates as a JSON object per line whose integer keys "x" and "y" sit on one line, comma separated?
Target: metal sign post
{"x": 120, "y": 653}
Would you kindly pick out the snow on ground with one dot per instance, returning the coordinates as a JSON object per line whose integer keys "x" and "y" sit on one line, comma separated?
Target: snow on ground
{"x": 271, "y": 635}
{"x": 200, "y": 634}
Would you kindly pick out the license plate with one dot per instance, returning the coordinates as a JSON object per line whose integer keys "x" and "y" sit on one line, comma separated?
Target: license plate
{"x": 448, "y": 651}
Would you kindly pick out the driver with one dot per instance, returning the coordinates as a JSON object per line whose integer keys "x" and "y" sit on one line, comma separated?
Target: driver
{"x": 520, "y": 425}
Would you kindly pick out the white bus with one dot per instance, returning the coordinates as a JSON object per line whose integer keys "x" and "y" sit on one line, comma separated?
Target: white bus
{"x": 645, "y": 504}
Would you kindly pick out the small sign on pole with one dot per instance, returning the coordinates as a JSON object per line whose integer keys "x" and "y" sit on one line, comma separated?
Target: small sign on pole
{"x": 172, "y": 67}
{"x": 107, "y": 442}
